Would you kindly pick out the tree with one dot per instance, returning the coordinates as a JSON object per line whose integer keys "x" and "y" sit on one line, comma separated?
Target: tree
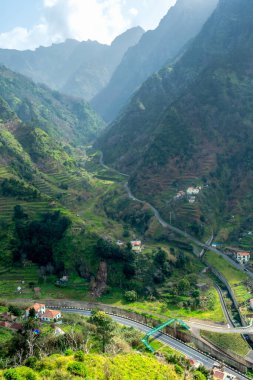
{"x": 199, "y": 376}
{"x": 14, "y": 310}
{"x": 19, "y": 213}
{"x": 160, "y": 257}
{"x": 104, "y": 326}
{"x": 131, "y": 296}
{"x": 32, "y": 313}
{"x": 181, "y": 260}
{"x": 183, "y": 286}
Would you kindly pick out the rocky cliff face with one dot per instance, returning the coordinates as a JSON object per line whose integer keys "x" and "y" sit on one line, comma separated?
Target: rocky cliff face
{"x": 99, "y": 284}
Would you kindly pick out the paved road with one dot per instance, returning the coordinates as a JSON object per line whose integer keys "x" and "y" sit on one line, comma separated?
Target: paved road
{"x": 224, "y": 307}
{"x": 177, "y": 345}
{"x": 205, "y": 246}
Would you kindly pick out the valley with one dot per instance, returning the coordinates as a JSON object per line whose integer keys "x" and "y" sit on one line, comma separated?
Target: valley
{"x": 126, "y": 204}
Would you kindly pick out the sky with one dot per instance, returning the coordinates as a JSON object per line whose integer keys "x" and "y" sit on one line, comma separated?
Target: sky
{"x": 27, "y": 24}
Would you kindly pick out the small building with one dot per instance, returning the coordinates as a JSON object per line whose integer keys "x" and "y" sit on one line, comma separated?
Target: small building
{"x": 195, "y": 364}
{"x": 192, "y": 199}
{"x": 242, "y": 257}
{"x": 136, "y": 245}
{"x": 39, "y": 308}
{"x": 193, "y": 190}
{"x": 179, "y": 195}
{"x": 218, "y": 374}
{"x": 19, "y": 290}
{"x": 37, "y": 290}
{"x": 251, "y": 303}
{"x": 51, "y": 316}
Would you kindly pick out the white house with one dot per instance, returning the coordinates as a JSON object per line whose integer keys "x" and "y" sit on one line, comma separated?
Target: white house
{"x": 193, "y": 190}
{"x": 51, "y": 316}
{"x": 39, "y": 308}
{"x": 242, "y": 257}
{"x": 136, "y": 245}
{"x": 192, "y": 199}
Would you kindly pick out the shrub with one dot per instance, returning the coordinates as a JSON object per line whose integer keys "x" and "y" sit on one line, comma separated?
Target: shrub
{"x": 131, "y": 296}
{"x": 46, "y": 373}
{"x": 11, "y": 374}
{"x": 31, "y": 362}
{"x": 78, "y": 369}
{"x": 199, "y": 376}
{"x": 69, "y": 352}
{"x": 179, "y": 370}
{"x": 79, "y": 356}
{"x": 20, "y": 373}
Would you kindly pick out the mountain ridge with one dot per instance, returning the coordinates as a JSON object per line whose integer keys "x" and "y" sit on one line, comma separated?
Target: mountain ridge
{"x": 162, "y": 143}
{"x": 157, "y": 47}
{"x": 76, "y": 68}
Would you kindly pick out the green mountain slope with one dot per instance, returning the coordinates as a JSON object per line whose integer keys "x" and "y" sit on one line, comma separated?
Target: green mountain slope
{"x": 182, "y": 23}
{"x": 191, "y": 125}
{"x": 59, "y": 115}
{"x": 76, "y": 68}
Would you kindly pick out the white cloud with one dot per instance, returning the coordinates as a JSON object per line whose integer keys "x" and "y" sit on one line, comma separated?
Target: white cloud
{"x": 100, "y": 20}
{"x": 134, "y": 11}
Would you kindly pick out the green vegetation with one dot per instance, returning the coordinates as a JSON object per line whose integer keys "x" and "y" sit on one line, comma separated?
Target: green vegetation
{"x": 236, "y": 278}
{"x": 228, "y": 342}
{"x": 77, "y": 351}
{"x": 168, "y": 138}
{"x": 58, "y": 115}
{"x": 134, "y": 366}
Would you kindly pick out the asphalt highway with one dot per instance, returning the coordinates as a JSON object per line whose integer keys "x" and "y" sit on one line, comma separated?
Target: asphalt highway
{"x": 207, "y": 361}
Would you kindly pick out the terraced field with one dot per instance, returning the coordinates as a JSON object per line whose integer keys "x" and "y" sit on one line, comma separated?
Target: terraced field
{"x": 7, "y": 205}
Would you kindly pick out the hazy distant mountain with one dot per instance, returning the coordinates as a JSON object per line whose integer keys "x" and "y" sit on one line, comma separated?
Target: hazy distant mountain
{"x": 155, "y": 48}
{"x": 192, "y": 124}
{"x": 67, "y": 119}
{"x": 77, "y": 68}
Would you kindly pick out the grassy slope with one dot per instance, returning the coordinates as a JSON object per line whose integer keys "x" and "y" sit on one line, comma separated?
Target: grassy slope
{"x": 160, "y": 309}
{"x": 131, "y": 366}
{"x": 228, "y": 342}
{"x": 235, "y": 277}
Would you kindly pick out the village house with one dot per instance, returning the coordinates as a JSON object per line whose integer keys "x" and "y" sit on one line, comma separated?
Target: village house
{"x": 179, "y": 195}
{"x": 242, "y": 257}
{"x": 193, "y": 190}
{"x": 44, "y": 314}
{"x": 51, "y": 316}
{"x": 192, "y": 199}
{"x": 218, "y": 374}
{"x": 39, "y": 309}
{"x": 136, "y": 246}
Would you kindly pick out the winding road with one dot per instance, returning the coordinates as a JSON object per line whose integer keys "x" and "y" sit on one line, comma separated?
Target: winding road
{"x": 205, "y": 246}
{"x": 191, "y": 353}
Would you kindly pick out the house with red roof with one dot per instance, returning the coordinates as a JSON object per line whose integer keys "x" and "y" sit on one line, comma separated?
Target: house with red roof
{"x": 51, "y": 316}
{"x": 242, "y": 257}
{"x": 136, "y": 245}
{"x": 222, "y": 375}
{"x": 39, "y": 308}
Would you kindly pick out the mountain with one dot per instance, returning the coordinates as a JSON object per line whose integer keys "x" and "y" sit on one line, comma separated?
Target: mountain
{"x": 61, "y": 116}
{"x": 155, "y": 48}
{"x": 191, "y": 125}
{"x": 76, "y": 68}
